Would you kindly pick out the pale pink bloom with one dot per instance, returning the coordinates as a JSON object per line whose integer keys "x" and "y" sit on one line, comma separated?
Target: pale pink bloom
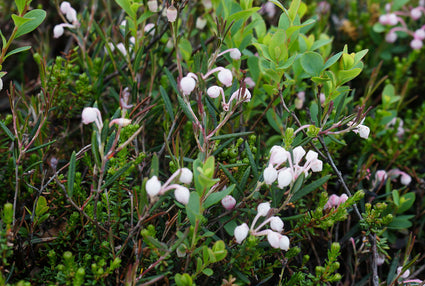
{"x": 153, "y": 5}
{"x": 64, "y": 7}
{"x": 171, "y": 14}
{"x": 269, "y": 8}
{"x": 182, "y": 194}
{"x": 333, "y": 201}
{"x": 322, "y": 98}
{"x": 278, "y": 155}
{"x": 150, "y": 28}
{"x": 122, "y": 49}
{"x": 391, "y": 37}
{"x": 187, "y": 85}
{"x": 388, "y": 19}
{"x": 419, "y": 34}
{"x": 380, "y": 176}
{"x": 90, "y": 115}
{"x": 416, "y": 44}
{"x": 273, "y": 238}
{"x": 249, "y": 82}
{"x": 241, "y": 232}
{"x": 380, "y": 260}
{"x": 263, "y": 209}
{"x": 200, "y": 23}
{"x": 284, "y": 178}
{"x": 228, "y": 202}
{"x": 235, "y": 54}
{"x": 214, "y": 91}
{"x": 246, "y": 97}
{"x": 298, "y": 154}
{"x": 405, "y": 273}
{"x": 225, "y": 77}
{"x": 405, "y": 179}
{"x": 120, "y": 122}
{"x": 276, "y": 223}
{"x": 415, "y": 13}
{"x": 342, "y": 199}
{"x": 58, "y": 30}
{"x": 284, "y": 242}
{"x": 186, "y": 175}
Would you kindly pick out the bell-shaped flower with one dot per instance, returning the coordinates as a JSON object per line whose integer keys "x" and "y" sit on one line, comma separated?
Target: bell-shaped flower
{"x": 228, "y": 202}
{"x": 153, "y": 186}
{"x": 241, "y": 94}
{"x": 90, "y": 115}
{"x": 235, "y": 54}
{"x": 278, "y": 155}
{"x": 342, "y": 199}
{"x": 298, "y": 154}
{"x": 273, "y": 238}
{"x": 284, "y": 242}
{"x": 415, "y": 13}
{"x": 284, "y": 178}
{"x": 416, "y": 44}
{"x": 187, "y": 85}
{"x": 225, "y": 77}
{"x": 214, "y": 91}
{"x": 405, "y": 179}
{"x": 171, "y": 14}
{"x": 150, "y": 28}
{"x": 391, "y": 37}
{"x": 186, "y": 176}
{"x": 153, "y": 5}
{"x": 182, "y": 194}
{"x": 122, "y": 122}
{"x": 263, "y": 209}
{"x": 276, "y": 223}
{"x": 241, "y": 232}
{"x": 270, "y": 175}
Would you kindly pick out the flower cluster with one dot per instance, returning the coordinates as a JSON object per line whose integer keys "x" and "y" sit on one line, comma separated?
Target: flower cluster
{"x": 360, "y": 129}
{"x": 287, "y": 175}
{"x": 334, "y": 201}
{"x": 181, "y": 193}
{"x": 382, "y": 175}
{"x": 92, "y": 115}
{"x": 224, "y": 76}
{"x": 70, "y": 15}
{"x": 394, "y": 18}
{"x": 274, "y": 236}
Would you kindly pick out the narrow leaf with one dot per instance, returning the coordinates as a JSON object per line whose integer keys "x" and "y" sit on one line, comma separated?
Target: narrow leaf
{"x": 7, "y": 131}
{"x": 117, "y": 174}
{"x": 71, "y": 174}
{"x": 167, "y": 102}
{"x": 309, "y": 188}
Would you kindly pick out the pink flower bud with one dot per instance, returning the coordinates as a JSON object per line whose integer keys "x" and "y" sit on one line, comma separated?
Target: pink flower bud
{"x": 278, "y": 155}
{"x": 241, "y": 232}
{"x": 153, "y": 5}
{"x": 120, "y": 122}
{"x": 153, "y": 186}
{"x": 187, "y": 85}
{"x": 228, "y": 202}
{"x": 391, "y": 37}
{"x": 214, "y": 91}
{"x": 415, "y": 13}
{"x": 235, "y": 54}
{"x": 249, "y": 82}
{"x": 276, "y": 223}
{"x": 381, "y": 175}
{"x": 419, "y": 34}
{"x": 71, "y": 15}
{"x": 225, "y": 77}
{"x": 171, "y": 14}
{"x": 416, "y": 44}
{"x": 64, "y": 7}
{"x": 392, "y": 19}
{"x": 405, "y": 179}
{"x": 58, "y": 31}
{"x": 186, "y": 176}
{"x": 316, "y": 165}
{"x": 380, "y": 260}
{"x": 383, "y": 19}
{"x": 182, "y": 194}
{"x": 342, "y": 199}
{"x": 90, "y": 115}
{"x": 263, "y": 209}
{"x": 284, "y": 178}
{"x": 270, "y": 175}
{"x": 405, "y": 273}
{"x": 333, "y": 201}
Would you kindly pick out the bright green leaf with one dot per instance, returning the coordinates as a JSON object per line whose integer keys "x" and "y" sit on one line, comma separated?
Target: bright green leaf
{"x": 36, "y": 17}
{"x": 312, "y": 63}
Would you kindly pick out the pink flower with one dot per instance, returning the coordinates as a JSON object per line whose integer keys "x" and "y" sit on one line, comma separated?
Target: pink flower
{"x": 90, "y": 115}
{"x": 391, "y": 37}
{"x": 416, "y": 44}
{"x": 270, "y": 175}
{"x": 241, "y": 232}
{"x": 225, "y": 77}
{"x": 228, "y": 202}
{"x": 171, "y": 14}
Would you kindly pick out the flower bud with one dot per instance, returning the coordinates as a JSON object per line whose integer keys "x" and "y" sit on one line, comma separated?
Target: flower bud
{"x": 200, "y": 23}
{"x": 58, "y": 31}
{"x": 273, "y": 238}
{"x": 122, "y": 49}
{"x": 263, "y": 209}
{"x": 270, "y": 175}
{"x": 298, "y": 154}
{"x": 153, "y": 186}
{"x": 419, "y": 34}
{"x": 364, "y": 130}
{"x": 392, "y": 19}
{"x": 235, "y": 54}
{"x": 228, "y": 202}
{"x": 405, "y": 179}
{"x": 342, "y": 199}
{"x": 171, "y": 14}
{"x": 316, "y": 165}
{"x": 64, "y": 7}
{"x": 187, "y": 85}
{"x": 278, "y": 155}
{"x": 71, "y": 15}
{"x": 241, "y": 232}
{"x": 276, "y": 223}
{"x": 284, "y": 178}
{"x": 1, "y": 84}
{"x": 381, "y": 175}
{"x": 213, "y": 91}
{"x": 416, "y": 44}
{"x": 90, "y": 115}
{"x": 185, "y": 176}
{"x": 249, "y": 82}
{"x": 415, "y": 13}
{"x": 284, "y": 242}
{"x": 405, "y": 273}
{"x": 150, "y": 28}
{"x": 122, "y": 122}
{"x": 182, "y": 195}
{"x": 311, "y": 155}
{"x": 391, "y": 37}
{"x": 153, "y": 5}
{"x": 225, "y": 77}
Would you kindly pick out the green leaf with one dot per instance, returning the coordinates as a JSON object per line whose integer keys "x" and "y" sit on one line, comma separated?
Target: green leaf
{"x": 406, "y": 202}
{"x": 219, "y": 250}
{"x": 401, "y": 222}
{"x": 71, "y": 174}
{"x": 193, "y": 208}
{"x": 7, "y": 131}
{"x": 309, "y": 188}
{"x": 293, "y": 9}
{"x": 185, "y": 109}
{"x": 231, "y": 135}
{"x": 167, "y": 102}
{"x": 36, "y": 17}
{"x": 208, "y": 271}
{"x": 332, "y": 60}
{"x": 242, "y": 15}
{"x": 126, "y": 5}
{"x": 312, "y": 63}
{"x": 18, "y": 50}
{"x": 20, "y": 4}
{"x": 41, "y": 207}
{"x": 186, "y": 49}
{"x": 277, "y": 46}
{"x": 396, "y": 197}
{"x": 347, "y": 75}
{"x": 278, "y": 4}
{"x": 117, "y": 174}
{"x": 251, "y": 160}
{"x": 214, "y": 198}
{"x": 19, "y": 21}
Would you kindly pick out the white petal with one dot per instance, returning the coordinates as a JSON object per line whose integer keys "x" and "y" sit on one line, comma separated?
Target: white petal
{"x": 241, "y": 232}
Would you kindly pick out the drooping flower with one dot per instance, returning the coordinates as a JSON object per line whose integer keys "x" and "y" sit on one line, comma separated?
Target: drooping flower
{"x": 122, "y": 122}
{"x": 153, "y": 186}
{"x": 241, "y": 232}
{"x": 153, "y": 5}
{"x": 263, "y": 209}
{"x": 90, "y": 115}
{"x": 188, "y": 84}
{"x": 228, "y": 202}
{"x": 284, "y": 178}
{"x": 182, "y": 194}
{"x": 171, "y": 14}
{"x": 270, "y": 175}
{"x": 225, "y": 77}
{"x": 276, "y": 223}
{"x": 186, "y": 176}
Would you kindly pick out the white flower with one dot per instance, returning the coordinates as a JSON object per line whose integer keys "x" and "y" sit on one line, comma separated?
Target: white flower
{"x": 58, "y": 31}
{"x": 182, "y": 194}
{"x": 186, "y": 176}
{"x": 416, "y": 44}
{"x": 225, "y": 77}
{"x": 200, "y": 23}
{"x": 276, "y": 223}
{"x": 284, "y": 178}
{"x": 342, "y": 199}
{"x": 241, "y": 232}
{"x": 1, "y": 84}
{"x": 121, "y": 48}
{"x": 278, "y": 155}
{"x": 246, "y": 97}
{"x": 311, "y": 155}
{"x": 263, "y": 209}
{"x": 187, "y": 85}
{"x": 214, "y": 91}
{"x": 316, "y": 165}
{"x": 90, "y": 115}
{"x": 228, "y": 202}
{"x": 171, "y": 14}
{"x": 153, "y": 5}
{"x": 381, "y": 175}
{"x": 284, "y": 242}
{"x": 64, "y": 7}
{"x": 405, "y": 273}
{"x": 235, "y": 54}
{"x": 249, "y": 82}
{"x": 363, "y": 131}
{"x": 405, "y": 179}
{"x": 415, "y": 13}
{"x": 273, "y": 238}
{"x": 71, "y": 15}
{"x": 153, "y": 186}
{"x": 120, "y": 122}
{"x": 270, "y": 175}
{"x": 298, "y": 154}
{"x": 150, "y": 28}
{"x": 419, "y": 34}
